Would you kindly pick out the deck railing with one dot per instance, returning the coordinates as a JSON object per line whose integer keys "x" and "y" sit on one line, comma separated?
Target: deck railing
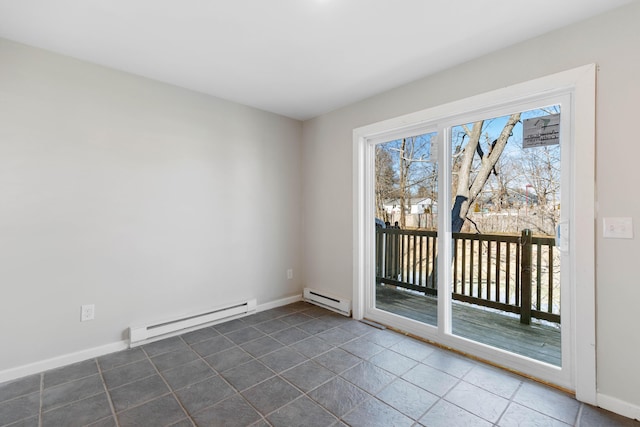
{"x": 516, "y": 273}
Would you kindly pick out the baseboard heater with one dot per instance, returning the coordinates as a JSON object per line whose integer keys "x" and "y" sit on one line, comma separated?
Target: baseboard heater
{"x": 142, "y": 333}
{"x": 327, "y": 301}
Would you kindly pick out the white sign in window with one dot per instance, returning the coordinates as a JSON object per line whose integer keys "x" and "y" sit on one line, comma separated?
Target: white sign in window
{"x": 541, "y": 131}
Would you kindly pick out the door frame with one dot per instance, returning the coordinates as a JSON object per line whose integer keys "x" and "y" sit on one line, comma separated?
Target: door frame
{"x": 580, "y": 85}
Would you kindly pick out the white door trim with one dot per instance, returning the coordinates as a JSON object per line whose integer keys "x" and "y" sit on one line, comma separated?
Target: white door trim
{"x": 580, "y": 83}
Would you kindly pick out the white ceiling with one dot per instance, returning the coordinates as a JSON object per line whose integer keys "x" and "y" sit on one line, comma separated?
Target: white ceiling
{"x": 299, "y": 58}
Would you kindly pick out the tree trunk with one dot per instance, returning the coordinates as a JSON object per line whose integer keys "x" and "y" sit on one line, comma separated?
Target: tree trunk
{"x": 468, "y": 190}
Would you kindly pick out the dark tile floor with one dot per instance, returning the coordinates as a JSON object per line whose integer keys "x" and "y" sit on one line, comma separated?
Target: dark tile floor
{"x": 297, "y": 365}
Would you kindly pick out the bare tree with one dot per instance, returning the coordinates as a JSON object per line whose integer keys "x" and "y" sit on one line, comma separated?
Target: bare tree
{"x": 404, "y": 165}
{"x": 414, "y": 171}
{"x": 470, "y": 181}
{"x": 385, "y": 180}
{"x": 541, "y": 167}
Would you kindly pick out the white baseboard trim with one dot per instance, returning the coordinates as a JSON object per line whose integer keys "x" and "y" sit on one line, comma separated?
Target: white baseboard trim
{"x": 618, "y": 406}
{"x": 279, "y": 303}
{"x": 79, "y": 356}
{"x": 59, "y": 361}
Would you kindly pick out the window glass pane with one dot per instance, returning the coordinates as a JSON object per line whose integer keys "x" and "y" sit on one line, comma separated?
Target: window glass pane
{"x": 505, "y": 206}
{"x": 406, "y": 176}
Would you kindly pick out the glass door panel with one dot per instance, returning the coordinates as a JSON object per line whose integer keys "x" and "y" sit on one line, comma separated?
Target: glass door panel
{"x": 406, "y": 194}
{"x": 505, "y": 207}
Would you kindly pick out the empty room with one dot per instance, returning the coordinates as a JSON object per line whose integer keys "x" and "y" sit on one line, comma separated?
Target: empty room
{"x": 319, "y": 212}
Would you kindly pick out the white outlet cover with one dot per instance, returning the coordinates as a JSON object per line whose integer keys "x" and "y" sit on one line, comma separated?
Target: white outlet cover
{"x": 87, "y": 312}
{"x": 617, "y": 227}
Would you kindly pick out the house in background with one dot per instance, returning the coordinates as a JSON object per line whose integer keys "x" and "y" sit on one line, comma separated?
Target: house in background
{"x": 110, "y": 190}
{"x": 420, "y": 212}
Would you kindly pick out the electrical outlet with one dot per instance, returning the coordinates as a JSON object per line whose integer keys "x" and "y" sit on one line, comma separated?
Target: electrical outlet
{"x": 87, "y": 312}
{"x": 290, "y": 273}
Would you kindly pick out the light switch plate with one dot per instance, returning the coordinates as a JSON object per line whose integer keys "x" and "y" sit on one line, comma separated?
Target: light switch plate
{"x": 617, "y": 227}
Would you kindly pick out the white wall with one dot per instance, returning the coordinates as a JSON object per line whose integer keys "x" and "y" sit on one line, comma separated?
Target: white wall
{"x": 135, "y": 196}
{"x": 611, "y": 41}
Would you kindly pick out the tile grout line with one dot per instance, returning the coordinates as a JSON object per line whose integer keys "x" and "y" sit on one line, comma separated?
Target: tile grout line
{"x": 439, "y": 398}
{"x": 219, "y": 374}
{"x": 449, "y": 391}
{"x": 276, "y": 374}
{"x": 341, "y": 418}
{"x": 576, "y": 422}
{"x": 442, "y": 398}
{"x": 106, "y": 391}
{"x": 510, "y": 401}
{"x": 305, "y": 393}
{"x": 237, "y": 392}
{"x": 41, "y": 398}
{"x": 40, "y": 392}
{"x": 171, "y": 391}
{"x": 539, "y": 411}
{"x": 129, "y": 383}
{"x": 370, "y": 395}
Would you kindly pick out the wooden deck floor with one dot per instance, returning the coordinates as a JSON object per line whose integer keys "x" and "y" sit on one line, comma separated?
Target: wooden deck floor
{"x": 538, "y": 341}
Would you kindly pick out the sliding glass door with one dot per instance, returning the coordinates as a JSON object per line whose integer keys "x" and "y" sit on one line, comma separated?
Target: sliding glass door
{"x": 465, "y": 219}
